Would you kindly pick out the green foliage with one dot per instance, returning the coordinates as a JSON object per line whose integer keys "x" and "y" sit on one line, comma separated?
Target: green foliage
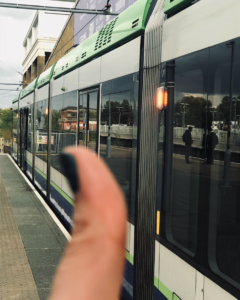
{"x": 6, "y": 123}
{"x": 6, "y": 119}
{"x": 125, "y": 107}
{"x": 56, "y": 115}
{"x": 224, "y": 107}
{"x": 197, "y": 112}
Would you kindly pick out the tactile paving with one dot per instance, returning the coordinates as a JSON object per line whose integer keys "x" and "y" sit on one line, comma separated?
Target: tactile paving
{"x": 16, "y": 279}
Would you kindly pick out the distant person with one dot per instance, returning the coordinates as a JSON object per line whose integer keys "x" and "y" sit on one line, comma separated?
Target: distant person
{"x": 212, "y": 141}
{"x": 187, "y": 139}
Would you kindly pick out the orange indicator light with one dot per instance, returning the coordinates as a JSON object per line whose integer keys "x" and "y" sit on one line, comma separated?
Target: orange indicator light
{"x": 165, "y": 100}
{"x": 162, "y": 98}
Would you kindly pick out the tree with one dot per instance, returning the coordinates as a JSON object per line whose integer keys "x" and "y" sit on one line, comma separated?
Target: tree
{"x": 126, "y": 107}
{"x": 223, "y": 107}
{"x": 56, "y": 116}
{"x": 6, "y": 123}
{"x": 196, "y": 112}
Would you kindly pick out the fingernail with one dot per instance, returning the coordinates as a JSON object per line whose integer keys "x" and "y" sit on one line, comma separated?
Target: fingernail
{"x": 69, "y": 170}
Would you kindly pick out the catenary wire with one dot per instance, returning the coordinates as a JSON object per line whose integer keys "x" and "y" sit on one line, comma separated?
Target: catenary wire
{"x": 75, "y": 35}
{"x": 10, "y": 67}
{"x": 9, "y": 72}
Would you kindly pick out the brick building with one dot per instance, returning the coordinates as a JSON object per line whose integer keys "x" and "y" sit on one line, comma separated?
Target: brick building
{"x": 80, "y": 26}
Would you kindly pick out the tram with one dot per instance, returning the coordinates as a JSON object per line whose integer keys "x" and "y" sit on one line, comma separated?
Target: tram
{"x": 129, "y": 93}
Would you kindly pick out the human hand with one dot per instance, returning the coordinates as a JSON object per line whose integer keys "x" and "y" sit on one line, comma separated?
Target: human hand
{"x": 93, "y": 262}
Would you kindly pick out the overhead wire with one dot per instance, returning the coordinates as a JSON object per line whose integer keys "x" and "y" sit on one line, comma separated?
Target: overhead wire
{"x": 5, "y": 93}
{"x": 10, "y": 67}
{"x": 6, "y": 96}
{"x": 7, "y": 90}
{"x": 11, "y": 84}
{"x": 77, "y": 33}
{"x": 9, "y": 72}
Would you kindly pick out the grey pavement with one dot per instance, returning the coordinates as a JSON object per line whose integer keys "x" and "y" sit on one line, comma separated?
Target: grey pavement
{"x": 31, "y": 242}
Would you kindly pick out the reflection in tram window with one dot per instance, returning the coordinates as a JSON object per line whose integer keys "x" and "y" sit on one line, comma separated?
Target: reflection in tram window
{"x": 203, "y": 216}
{"x": 63, "y": 134}
{"x": 41, "y": 141}
{"x": 190, "y": 102}
{"x": 29, "y": 139}
{"x": 223, "y": 192}
{"x": 88, "y": 119}
{"x": 118, "y": 133}
{"x": 14, "y": 130}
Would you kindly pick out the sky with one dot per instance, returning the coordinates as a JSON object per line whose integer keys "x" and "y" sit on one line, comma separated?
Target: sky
{"x": 14, "y": 24}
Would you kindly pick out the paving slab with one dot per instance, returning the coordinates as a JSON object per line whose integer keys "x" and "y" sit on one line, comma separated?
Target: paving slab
{"x": 31, "y": 243}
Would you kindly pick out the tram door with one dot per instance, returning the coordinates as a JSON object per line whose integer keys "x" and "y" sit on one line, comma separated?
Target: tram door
{"x": 23, "y": 137}
{"x": 88, "y": 119}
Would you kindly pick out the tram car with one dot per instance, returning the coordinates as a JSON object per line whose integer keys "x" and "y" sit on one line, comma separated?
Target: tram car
{"x": 143, "y": 93}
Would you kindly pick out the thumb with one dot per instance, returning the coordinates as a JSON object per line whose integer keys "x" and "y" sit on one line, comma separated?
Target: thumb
{"x": 93, "y": 262}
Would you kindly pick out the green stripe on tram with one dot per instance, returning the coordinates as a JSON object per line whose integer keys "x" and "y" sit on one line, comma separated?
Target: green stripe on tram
{"x": 62, "y": 193}
{"x": 53, "y": 184}
{"x": 157, "y": 283}
{"x": 129, "y": 257}
{"x": 163, "y": 289}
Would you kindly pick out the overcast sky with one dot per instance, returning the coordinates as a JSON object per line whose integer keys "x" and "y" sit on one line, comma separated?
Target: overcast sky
{"x": 14, "y": 24}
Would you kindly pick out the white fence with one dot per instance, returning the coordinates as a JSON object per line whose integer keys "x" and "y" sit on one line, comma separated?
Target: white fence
{"x": 128, "y": 132}
{"x": 197, "y": 134}
{"x": 119, "y": 131}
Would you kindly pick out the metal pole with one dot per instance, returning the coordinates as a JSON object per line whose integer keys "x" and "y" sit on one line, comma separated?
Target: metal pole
{"x": 235, "y": 121}
{"x": 49, "y": 142}
{"x": 227, "y": 155}
{"x": 34, "y": 118}
{"x": 109, "y": 131}
{"x": 184, "y": 116}
{"x": 119, "y": 116}
{"x": 59, "y": 9}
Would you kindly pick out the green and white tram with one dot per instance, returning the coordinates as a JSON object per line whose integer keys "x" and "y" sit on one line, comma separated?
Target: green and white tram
{"x": 155, "y": 93}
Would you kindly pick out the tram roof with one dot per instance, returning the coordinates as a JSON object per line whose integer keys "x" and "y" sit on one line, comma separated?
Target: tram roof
{"x": 29, "y": 89}
{"x": 45, "y": 77}
{"x": 124, "y": 27}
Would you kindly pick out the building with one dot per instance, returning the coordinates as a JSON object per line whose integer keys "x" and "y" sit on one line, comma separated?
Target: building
{"x": 80, "y": 26}
{"x": 52, "y": 34}
{"x": 40, "y": 41}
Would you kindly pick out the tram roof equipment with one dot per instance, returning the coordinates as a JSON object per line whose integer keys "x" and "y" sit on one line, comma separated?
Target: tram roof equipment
{"x": 124, "y": 27}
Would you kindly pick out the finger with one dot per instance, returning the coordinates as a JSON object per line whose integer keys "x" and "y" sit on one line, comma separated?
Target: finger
{"x": 93, "y": 262}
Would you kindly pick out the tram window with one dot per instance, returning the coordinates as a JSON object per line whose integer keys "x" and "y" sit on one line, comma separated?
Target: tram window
{"x": 14, "y": 133}
{"x": 224, "y": 204}
{"x": 189, "y": 120}
{"x": 41, "y": 138}
{"x": 64, "y": 123}
{"x": 203, "y": 219}
{"x": 29, "y": 139}
{"x": 118, "y": 133}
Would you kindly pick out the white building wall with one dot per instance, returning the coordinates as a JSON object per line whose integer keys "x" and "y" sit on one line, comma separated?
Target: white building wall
{"x": 43, "y": 33}
{"x": 51, "y": 24}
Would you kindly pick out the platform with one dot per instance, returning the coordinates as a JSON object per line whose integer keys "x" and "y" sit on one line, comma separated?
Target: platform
{"x": 31, "y": 242}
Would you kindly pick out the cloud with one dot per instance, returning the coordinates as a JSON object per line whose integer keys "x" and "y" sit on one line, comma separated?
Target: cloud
{"x": 14, "y": 25}
{"x": 25, "y": 14}
{"x": 16, "y": 14}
